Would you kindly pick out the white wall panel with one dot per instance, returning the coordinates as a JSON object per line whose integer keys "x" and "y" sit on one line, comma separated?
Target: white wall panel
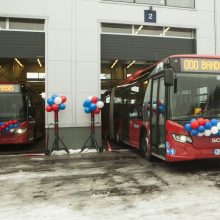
{"x": 59, "y": 44}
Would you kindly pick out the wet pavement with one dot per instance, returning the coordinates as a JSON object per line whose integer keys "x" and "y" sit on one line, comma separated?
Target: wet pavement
{"x": 108, "y": 185}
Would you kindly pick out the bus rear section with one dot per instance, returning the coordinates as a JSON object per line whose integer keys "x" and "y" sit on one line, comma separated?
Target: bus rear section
{"x": 17, "y": 116}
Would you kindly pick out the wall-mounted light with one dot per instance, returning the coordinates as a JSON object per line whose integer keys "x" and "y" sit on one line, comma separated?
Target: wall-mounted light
{"x": 19, "y": 63}
{"x": 38, "y": 60}
{"x": 138, "y": 29}
{"x": 114, "y": 64}
{"x": 131, "y": 64}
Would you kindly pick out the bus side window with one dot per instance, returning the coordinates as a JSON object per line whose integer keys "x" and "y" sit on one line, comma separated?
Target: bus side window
{"x": 146, "y": 104}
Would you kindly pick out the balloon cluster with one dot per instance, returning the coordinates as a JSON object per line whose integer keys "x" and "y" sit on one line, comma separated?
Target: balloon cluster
{"x": 157, "y": 106}
{"x": 203, "y": 127}
{"x": 93, "y": 104}
{"x": 8, "y": 126}
{"x": 56, "y": 103}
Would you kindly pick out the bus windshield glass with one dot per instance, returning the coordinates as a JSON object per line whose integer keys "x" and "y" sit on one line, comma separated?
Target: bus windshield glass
{"x": 195, "y": 94}
{"x": 12, "y": 106}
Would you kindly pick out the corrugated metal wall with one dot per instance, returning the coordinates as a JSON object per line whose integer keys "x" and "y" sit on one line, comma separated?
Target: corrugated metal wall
{"x": 22, "y": 44}
{"x": 125, "y": 47}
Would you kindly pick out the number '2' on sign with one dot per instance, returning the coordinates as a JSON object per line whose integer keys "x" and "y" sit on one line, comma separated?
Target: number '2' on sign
{"x": 150, "y": 16}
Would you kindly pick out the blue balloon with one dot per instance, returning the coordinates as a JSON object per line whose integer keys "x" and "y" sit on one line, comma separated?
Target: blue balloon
{"x": 1, "y": 123}
{"x": 7, "y": 129}
{"x": 218, "y": 133}
{"x": 161, "y": 108}
{"x": 50, "y": 101}
{"x": 16, "y": 126}
{"x": 194, "y": 132}
{"x": 62, "y": 107}
{"x": 87, "y": 110}
{"x": 201, "y": 129}
{"x": 214, "y": 122}
{"x": 87, "y": 103}
{"x": 54, "y": 96}
{"x": 192, "y": 120}
{"x": 11, "y": 126}
{"x": 208, "y": 125}
{"x": 93, "y": 107}
{"x": 188, "y": 127}
{"x": 99, "y": 99}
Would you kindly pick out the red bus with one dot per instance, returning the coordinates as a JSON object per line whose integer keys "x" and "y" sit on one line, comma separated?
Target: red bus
{"x": 170, "y": 110}
{"x": 21, "y": 114}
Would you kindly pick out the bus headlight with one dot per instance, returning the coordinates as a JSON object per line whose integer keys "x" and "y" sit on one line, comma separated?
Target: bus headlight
{"x": 20, "y": 130}
{"x": 182, "y": 138}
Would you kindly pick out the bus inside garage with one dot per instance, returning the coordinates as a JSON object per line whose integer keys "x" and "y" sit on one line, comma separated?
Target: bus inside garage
{"x": 22, "y": 85}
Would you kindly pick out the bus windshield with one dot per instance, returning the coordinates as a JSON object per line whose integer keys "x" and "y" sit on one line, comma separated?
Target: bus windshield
{"x": 12, "y": 106}
{"x": 195, "y": 94}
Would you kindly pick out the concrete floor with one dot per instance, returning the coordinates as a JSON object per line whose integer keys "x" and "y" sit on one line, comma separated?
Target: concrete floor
{"x": 111, "y": 185}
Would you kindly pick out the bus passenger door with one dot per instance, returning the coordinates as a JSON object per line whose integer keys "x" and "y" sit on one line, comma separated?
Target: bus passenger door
{"x": 31, "y": 121}
{"x": 157, "y": 117}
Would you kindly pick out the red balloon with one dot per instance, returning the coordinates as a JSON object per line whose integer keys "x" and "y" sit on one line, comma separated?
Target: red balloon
{"x": 10, "y": 122}
{"x": 14, "y": 121}
{"x": 94, "y": 99}
{"x": 49, "y": 108}
{"x": 6, "y": 124}
{"x": 63, "y": 99}
{"x": 194, "y": 124}
{"x": 207, "y": 120}
{"x": 3, "y": 126}
{"x": 97, "y": 111}
{"x": 201, "y": 121}
{"x": 55, "y": 107}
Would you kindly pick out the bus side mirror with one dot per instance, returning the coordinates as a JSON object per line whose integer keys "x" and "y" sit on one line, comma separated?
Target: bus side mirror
{"x": 168, "y": 77}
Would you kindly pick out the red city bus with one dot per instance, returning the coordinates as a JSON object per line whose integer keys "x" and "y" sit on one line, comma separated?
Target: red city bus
{"x": 21, "y": 114}
{"x": 170, "y": 110}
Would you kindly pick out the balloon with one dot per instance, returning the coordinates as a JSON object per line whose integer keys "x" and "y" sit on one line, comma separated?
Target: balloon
{"x": 10, "y": 122}
{"x": 194, "y": 124}
{"x": 11, "y": 126}
{"x": 63, "y": 99}
{"x": 48, "y": 108}
{"x": 206, "y": 120}
{"x": 214, "y": 130}
{"x": 161, "y": 109}
{"x": 97, "y": 111}
{"x": 6, "y": 124}
{"x": 16, "y": 125}
{"x": 208, "y": 125}
{"x": 214, "y": 122}
{"x": 1, "y": 123}
{"x": 62, "y": 106}
{"x": 58, "y": 100}
{"x": 188, "y": 127}
{"x": 90, "y": 98}
{"x": 87, "y": 103}
{"x": 99, "y": 104}
{"x": 7, "y": 129}
{"x": 94, "y": 99}
{"x": 201, "y": 121}
{"x": 55, "y": 107}
{"x": 87, "y": 110}
{"x": 12, "y": 130}
{"x": 201, "y": 129}
{"x": 194, "y": 132}
{"x": 218, "y": 125}
{"x": 50, "y": 101}
{"x": 192, "y": 120}
{"x": 207, "y": 133}
{"x": 54, "y": 96}
{"x": 154, "y": 106}
{"x": 93, "y": 107}
{"x": 15, "y": 121}
{"x": 200, "y": 134}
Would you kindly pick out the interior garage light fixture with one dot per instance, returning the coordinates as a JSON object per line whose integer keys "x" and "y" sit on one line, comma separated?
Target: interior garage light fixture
{"x": 131, "y": 64}
{"x": 138, "y": 29}
{"x": 19, "y": 63}
{"x": 114, "y": 64}
{"x": 38, "y": 60}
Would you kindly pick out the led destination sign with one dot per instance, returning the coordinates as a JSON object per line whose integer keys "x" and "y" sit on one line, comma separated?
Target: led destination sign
{"x": 9, "y": 88}
{"x": 200, "y": 65}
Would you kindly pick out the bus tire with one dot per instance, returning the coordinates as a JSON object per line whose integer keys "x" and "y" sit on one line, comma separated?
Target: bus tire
{"x": 145, "y": 150}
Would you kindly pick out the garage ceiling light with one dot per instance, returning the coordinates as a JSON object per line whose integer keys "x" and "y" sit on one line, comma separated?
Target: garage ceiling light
{"x": 38, "y": 60}
{"x": 19, "y": 63}
{"x": 131, "y": 64}
{"x": 114, "y": 64}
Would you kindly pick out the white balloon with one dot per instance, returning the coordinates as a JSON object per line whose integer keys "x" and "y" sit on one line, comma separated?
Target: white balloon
{"x": 207, "y": 133}
{"x": 200, "y": 134}
{"x": 90, "y": 98}
{"x": 154, "y": 106}
{"x": 218, "y": 125}
{"x": 214, "y": 130}
{"x": 58, "y": 100}
{"x": 99, "y": 104}
{"x": 12, "y": 130}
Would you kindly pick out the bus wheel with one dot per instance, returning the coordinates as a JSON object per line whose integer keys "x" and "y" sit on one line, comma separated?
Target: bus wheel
{"x": 145, "y": 150}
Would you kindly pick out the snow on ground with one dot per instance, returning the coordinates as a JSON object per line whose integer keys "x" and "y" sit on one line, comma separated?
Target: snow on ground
{"x": 119, "y": 185}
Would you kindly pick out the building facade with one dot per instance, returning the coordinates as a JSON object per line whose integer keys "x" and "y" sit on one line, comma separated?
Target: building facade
{"x": 74, "y": 41}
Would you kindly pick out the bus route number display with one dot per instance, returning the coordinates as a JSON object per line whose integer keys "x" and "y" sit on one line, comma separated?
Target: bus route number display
{"x": 9, "y": 88}
{"x": 200, "y": 65}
